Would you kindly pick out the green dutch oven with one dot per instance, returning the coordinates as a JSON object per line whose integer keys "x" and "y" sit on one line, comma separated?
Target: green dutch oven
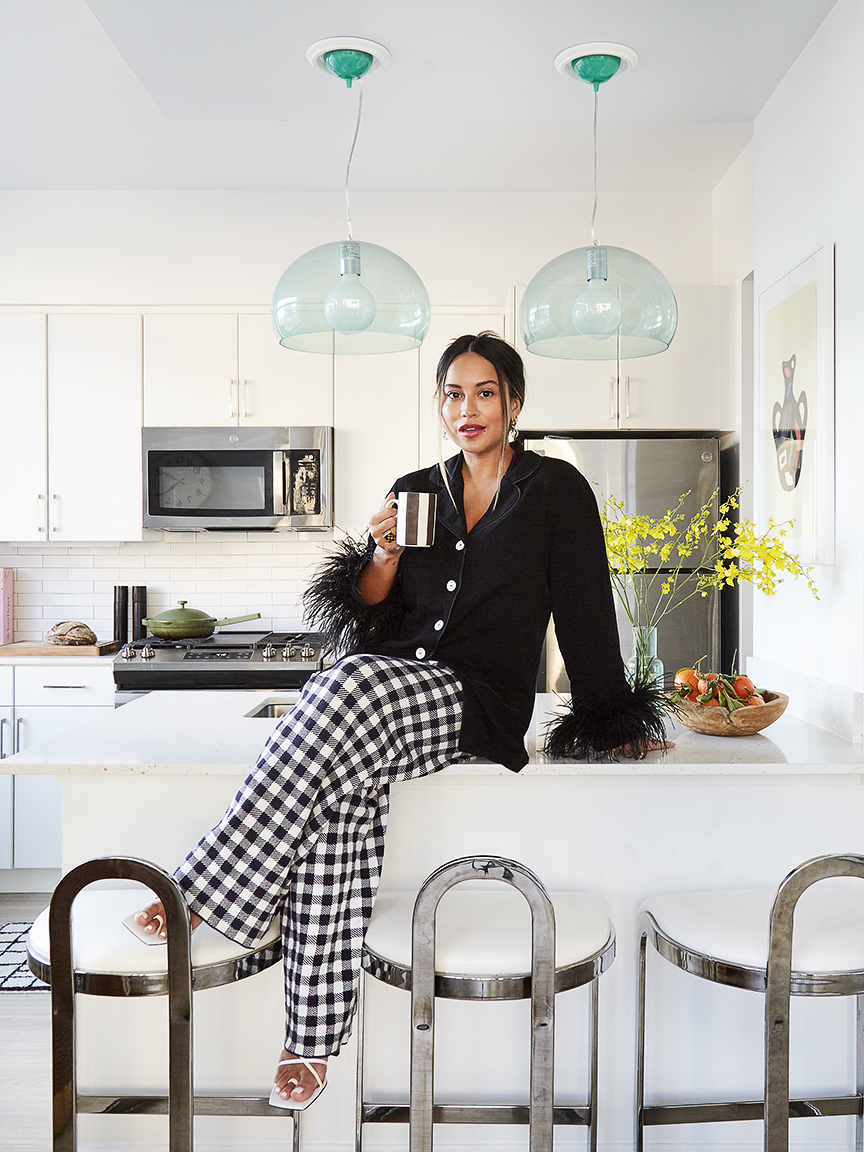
{"x": 188, "y": 623}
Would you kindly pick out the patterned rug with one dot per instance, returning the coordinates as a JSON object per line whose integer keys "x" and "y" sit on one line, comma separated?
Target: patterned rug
{"x": 15, "y": 976}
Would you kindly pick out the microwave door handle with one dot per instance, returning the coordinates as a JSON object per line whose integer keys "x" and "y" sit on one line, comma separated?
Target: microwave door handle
{"x": 280, "y": 483}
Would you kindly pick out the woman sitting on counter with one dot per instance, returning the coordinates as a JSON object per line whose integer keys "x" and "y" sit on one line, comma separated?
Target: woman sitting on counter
{"x": 444, "y": 644}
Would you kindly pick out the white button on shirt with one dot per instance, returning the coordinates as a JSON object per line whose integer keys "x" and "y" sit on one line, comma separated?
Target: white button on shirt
{"x": 420, "y": 653}
{"x": 451, "y": 585}
{"x": 439, "y": 624}
{"x": 460, "y": 544}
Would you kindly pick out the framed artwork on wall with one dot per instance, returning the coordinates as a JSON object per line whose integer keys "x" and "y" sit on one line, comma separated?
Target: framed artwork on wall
{"x": 794, "y": 425}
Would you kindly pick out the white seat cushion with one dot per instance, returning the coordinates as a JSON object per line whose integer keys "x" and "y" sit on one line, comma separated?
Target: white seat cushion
{"x": 488, "y": 932}
{"x": 101, "y": 943}
{"x": 828, "y": 933}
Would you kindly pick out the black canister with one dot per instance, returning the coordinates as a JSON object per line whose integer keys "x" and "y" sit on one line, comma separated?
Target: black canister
{"x": 121, "y": 613}
{"x": 139, "y": 611}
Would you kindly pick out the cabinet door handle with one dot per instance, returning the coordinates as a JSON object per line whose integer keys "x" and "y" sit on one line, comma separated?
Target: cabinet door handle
{"x": 233, "y": 406}
{"x": 613, "y": 406}
{"x": 41, "y": 513}
{"x": 55, "y": 502}
{"x": 2, "y": 730}
{"x": 243, "y": 408}
{"x": 64, "y": 685}
{"x": 19, "y": 720}
{"x": 626, "y": 396}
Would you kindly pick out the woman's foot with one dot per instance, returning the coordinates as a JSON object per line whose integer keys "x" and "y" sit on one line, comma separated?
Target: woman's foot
{"x": 152, "y": 920}
{"x": 297, "y": 1083}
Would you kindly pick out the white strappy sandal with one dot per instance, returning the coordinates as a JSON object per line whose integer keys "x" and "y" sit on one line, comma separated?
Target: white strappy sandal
{"x": 277, "y": 1101}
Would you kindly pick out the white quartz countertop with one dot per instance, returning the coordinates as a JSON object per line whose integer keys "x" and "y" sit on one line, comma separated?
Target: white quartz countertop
{"x": 200, "y": 733}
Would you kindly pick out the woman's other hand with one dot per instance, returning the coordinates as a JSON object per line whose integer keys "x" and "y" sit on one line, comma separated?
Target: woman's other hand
{"x": 631, "y": 753}
{"x": 382, "y": 527}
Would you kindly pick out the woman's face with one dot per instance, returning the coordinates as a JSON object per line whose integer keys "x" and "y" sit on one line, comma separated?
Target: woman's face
{"x": 471, "y": 406}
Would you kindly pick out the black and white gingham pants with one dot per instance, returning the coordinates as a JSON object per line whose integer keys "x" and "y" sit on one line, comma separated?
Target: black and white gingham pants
{"x": 304, "y": 836}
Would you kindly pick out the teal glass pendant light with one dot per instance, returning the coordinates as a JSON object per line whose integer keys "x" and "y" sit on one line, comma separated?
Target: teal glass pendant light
{"x": 350, "y": 297}
{"x": 598, "y": 302}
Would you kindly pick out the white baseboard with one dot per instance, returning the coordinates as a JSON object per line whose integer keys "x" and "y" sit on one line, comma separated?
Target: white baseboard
{"x": 29, "y": 879}
{"x": 828, "y": 706}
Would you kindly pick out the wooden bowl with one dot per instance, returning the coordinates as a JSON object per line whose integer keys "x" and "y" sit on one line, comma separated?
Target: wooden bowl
{"x": 722, "y": 722}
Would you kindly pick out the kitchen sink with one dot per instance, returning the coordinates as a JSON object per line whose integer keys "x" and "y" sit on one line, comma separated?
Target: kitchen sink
{"x": 271, "y": 709}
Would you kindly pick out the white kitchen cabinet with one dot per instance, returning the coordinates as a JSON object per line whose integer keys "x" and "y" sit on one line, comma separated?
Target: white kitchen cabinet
{"x": 376, "y": 418}
{"x": 677, "y": 389}
{"x": 70, "y": 468}
{"x": 24, "y": 403}
{"x": 6, "y": 731}
{"x": 94, "y": 427}
{"x": 48, "y": 699}
{"x": 228, "y": 370}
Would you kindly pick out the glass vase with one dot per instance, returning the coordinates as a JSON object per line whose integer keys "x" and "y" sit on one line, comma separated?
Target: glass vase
{"x": 644, "y": 664}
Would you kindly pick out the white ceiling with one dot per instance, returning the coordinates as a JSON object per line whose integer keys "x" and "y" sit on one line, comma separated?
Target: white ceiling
{"x": 217, "y": 94}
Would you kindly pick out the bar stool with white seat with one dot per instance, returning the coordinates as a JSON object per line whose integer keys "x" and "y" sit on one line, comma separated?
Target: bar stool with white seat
{"x": 745, "y": 939}
{"x": 481, "y": 952}
{"x": 109, "y": 961}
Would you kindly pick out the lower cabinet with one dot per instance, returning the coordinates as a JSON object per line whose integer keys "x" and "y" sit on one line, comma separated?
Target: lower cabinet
{"x": 30, "y": 805}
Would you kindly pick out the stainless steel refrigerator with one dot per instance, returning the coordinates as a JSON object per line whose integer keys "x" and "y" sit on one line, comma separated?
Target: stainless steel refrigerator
{"x": 649, "y": 474}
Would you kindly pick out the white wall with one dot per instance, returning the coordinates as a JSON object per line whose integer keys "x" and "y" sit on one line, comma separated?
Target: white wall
{"x": 808, "y": 176}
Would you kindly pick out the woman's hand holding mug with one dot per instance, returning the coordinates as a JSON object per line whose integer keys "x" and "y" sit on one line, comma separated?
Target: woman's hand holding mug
{"x": 382, "y": 526}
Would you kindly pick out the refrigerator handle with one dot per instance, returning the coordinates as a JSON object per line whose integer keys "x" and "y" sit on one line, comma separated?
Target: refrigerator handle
{"x": 613, "y": 406}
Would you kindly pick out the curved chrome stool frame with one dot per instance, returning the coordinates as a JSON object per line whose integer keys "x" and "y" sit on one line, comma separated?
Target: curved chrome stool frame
{"x": 177, "y": 983}
{"x": 540, "y": 987}
{"x": 778, "y": 983}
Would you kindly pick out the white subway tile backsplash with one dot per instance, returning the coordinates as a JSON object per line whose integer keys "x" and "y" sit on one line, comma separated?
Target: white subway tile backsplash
{"x": 228, "y": 574}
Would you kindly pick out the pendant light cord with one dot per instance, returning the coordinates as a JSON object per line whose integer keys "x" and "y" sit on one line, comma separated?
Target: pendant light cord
{"x": 594, "y": 213}
{"x": 351, "y": 156}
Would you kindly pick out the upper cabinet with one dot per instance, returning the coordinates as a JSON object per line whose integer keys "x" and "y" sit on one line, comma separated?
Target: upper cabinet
{"x": 226, "y": 370}
{"x": 24, "y": 400}
{"x": 677, "y": 389}
{"x": 70, "y": 385}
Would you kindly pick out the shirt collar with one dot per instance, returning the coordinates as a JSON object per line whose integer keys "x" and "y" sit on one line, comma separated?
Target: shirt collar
{"x": 523, "y": 464}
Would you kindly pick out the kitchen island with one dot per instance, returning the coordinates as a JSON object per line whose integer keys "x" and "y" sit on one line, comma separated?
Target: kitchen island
{"x": 150, "y": 778}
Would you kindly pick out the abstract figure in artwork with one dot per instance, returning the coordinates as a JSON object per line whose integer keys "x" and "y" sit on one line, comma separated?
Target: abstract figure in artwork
{"x": 789, "y": 423}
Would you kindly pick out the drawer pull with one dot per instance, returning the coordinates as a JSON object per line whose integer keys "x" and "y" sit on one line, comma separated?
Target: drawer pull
{"x": 64, "y": 685}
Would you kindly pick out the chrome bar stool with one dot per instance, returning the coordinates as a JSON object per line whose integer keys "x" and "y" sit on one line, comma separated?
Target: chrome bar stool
{"x": 745, "y": 939}
{"x": 481, "y": 954}
{"x": 108, "y": 961}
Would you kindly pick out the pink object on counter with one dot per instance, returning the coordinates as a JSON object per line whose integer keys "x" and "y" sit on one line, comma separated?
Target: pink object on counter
{"x": 7, "y": 624}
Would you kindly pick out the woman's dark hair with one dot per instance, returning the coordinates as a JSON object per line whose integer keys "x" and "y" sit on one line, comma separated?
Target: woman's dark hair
{"x": 511, "y": 381}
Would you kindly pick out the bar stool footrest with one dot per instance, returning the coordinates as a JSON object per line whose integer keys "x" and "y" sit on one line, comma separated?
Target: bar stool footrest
{"x": 749, "y": 1110}
{"x": 202, "y": 1106}
{"x": 473, "y": 1114}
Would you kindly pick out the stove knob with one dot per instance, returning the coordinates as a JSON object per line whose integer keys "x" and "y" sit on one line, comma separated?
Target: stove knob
{"x": 287, "y": 653}
{"x": 128, "y": 652}
{"x": 308, "y": 652}
{"x": 269, "y": 652}
{"x": 292, "y": 653}
{"x": 147, "y": 652}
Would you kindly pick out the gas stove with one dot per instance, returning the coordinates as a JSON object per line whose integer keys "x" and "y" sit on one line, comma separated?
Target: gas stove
{"x": 223, "y": 660}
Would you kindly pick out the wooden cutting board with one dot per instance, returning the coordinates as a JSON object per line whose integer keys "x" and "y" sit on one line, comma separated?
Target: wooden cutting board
{"x": 46, "y": 648}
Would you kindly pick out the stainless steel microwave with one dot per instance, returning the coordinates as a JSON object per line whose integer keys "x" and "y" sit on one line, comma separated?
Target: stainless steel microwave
{"x": 238, "y": 478}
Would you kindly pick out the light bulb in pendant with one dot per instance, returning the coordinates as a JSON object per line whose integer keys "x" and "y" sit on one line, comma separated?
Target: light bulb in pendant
{"x": 349, "y": 307}
{"x": 597, "y": 312}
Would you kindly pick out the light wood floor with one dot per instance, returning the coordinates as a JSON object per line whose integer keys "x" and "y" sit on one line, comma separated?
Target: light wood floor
{"x": 25, "y": 1050}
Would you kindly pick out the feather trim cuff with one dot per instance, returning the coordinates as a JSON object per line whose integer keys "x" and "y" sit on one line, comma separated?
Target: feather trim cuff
{"x": 333, "y": 606}
{"x": 596, "y": 728}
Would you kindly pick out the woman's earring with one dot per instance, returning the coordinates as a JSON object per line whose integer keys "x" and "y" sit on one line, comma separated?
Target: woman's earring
{"x": 444, "y": 435}
{"x": 514, "y": 433}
